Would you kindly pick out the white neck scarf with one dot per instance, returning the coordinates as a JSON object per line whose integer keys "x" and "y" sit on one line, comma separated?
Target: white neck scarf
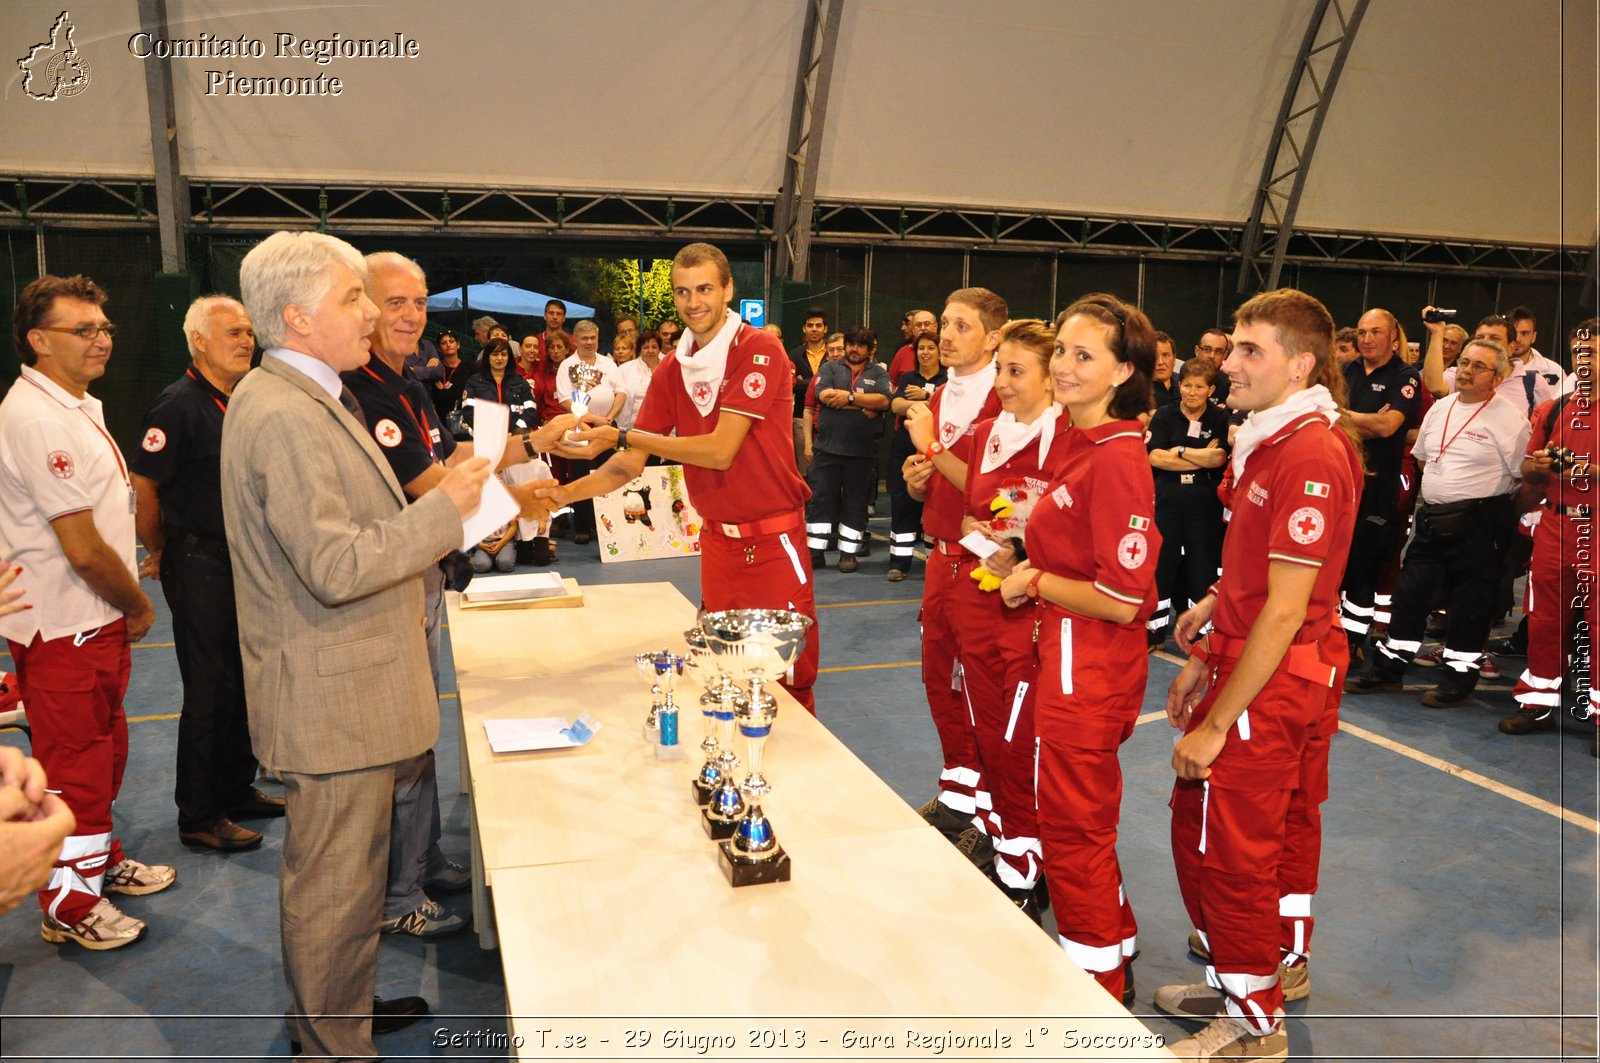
{"x": 1262, "y": 425}
{"x": 1008, "y": 436}
{"x": 702, "y": 370}
{"x": 964, "y": 397}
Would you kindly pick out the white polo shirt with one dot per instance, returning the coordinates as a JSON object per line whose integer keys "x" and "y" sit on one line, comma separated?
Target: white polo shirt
{"x": 56, "y": 458}
{"x": 601, "y": 396}
{"x": 1470, "y": 451}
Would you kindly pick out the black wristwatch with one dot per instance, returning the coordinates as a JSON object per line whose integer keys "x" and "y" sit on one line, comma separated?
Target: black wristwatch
{"x": 527, "y": 444}
{"x": 622, "y": 439}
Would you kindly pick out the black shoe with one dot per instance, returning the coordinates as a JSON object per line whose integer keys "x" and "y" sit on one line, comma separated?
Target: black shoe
{"x": 260, "y": 806}
{"x": 1527, "y": 722}
{"x": 388, "y": 1016}
{"x": 895, "y": 574}
{"x": 1369, "y": 682}
{"x": 1026, "y": 898}
{"x": 848, "y": 563}
{"x": 1358, "y": 655}
{"x": 1514, "y": 645}
{"x": 582, "y": 538}
{"x": 543, "y": 552}
{"x": 1127, "y": 982}
{"x": 866, "y": 547}
{"x": 1444, "y": 695}
{"x": 819, "y": 560}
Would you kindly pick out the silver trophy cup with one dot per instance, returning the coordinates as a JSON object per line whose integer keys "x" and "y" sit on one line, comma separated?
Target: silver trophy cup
{"x": 659, "y": 669}
{"x": 702, "y": 669}
{"x": 758, "y": 644}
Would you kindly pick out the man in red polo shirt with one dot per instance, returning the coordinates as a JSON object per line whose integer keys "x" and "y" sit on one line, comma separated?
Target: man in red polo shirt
{"x": 740, "y": 470}
{"x": 1258, "y": 699}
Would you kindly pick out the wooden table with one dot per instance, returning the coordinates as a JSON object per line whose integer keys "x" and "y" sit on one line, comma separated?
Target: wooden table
{"x": 624, "y": 923}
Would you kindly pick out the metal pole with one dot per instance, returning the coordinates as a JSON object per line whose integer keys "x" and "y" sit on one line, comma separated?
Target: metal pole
{"x": 172, "y": 198}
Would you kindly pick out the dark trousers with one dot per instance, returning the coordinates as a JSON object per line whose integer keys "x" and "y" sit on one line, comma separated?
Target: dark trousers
{"x": 905, "y": 512}
{"x": 1376, "y": 533}
{"x": 1190, "y": 522}
{"x": 841, "y": 487}
{"x": 216, "y": 767}
{"x": 1462, "y": 570}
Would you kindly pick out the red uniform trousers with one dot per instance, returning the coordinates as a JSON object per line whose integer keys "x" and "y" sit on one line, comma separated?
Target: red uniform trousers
{"x": 73, "y": 693}
{"x": 1561, "y": 590}
{"x": 771, "y": 571}
{"x": 949, "y": 604}
{"x": 1247, "y": 842}
{"x": 998, "y": 667}
{"x": 1091, "y": 686}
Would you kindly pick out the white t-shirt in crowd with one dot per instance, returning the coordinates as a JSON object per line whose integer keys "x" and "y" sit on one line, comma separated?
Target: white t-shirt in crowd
{"x": 1470, "y": 451}
{"x": 602, "y": 394}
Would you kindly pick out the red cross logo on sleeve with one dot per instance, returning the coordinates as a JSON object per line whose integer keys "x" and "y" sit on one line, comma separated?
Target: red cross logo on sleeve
{"x": 388, "y": 432}
{"x": 1132, "y": 550}
{"x": 1306, "y": 525}
{"x": 60, "y": 463}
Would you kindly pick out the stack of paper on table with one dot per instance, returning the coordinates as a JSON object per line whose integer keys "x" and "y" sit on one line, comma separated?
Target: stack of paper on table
{"x": 513, "y": 587}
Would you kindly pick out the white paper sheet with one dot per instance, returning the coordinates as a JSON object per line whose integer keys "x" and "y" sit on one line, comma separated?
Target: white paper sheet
{"x": 544, "y": 732}
{"x": 490, "y": 422}
{"x": 979, "y": 543}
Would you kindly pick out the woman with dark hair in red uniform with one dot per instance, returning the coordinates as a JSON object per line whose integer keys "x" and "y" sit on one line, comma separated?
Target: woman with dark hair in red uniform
{"x": 1090, "y": 575}
{"x": 1013, "y": 464}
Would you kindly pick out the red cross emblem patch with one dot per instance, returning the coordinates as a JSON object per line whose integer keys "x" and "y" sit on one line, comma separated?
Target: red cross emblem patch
{"x": 60, "y": 463}
{"x": 702, "y": 393}
{"x": 754, "y": 385}
{"x": 154, "y": 440}
{"x": 1132, "y": 550}
{"x": 1306, "y": 525}
{"x": 387, "y": 432}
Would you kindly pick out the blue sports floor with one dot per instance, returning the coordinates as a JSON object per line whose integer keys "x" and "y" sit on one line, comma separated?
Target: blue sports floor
{"x": 1456, "y": 917}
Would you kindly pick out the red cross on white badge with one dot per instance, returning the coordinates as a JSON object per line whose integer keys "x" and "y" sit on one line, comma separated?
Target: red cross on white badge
{"x": 388, "y": 432}
{"x": 1131, "y": 550}
{"x": 1306, "y": 525}
{"x": 1134, "y": 552}
{"x": 60, "y": 463}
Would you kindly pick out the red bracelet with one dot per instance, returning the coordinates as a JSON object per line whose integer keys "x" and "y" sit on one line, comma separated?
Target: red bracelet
{"x": 934, "y": 450}
{"x": 1032, "y": 590}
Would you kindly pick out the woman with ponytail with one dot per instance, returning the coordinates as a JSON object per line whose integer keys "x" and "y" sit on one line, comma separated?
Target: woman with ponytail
{"x": 1089, "y": 583}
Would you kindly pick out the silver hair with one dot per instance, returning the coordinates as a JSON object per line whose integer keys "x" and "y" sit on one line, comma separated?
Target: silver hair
{"x": 394, "y": 259}
{"x": 585, "y": 326}
{"x": 291, "y": 269}
{"x": 199, "y": 310}
{"x": 485, "y": 322}
{"x": 1502, "y": 356}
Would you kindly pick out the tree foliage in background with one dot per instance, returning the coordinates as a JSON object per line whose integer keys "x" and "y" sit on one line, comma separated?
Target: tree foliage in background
{"x": 617, "y": 288}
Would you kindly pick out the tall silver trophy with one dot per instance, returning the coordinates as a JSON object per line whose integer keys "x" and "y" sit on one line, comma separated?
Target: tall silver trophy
{"x": 758, "y": 644}
{"x": 585, "y": 378}
{"x": 702, "y": 668}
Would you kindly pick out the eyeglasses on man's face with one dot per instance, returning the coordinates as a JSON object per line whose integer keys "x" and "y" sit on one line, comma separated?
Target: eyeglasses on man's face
{"x": 83, "y": 332}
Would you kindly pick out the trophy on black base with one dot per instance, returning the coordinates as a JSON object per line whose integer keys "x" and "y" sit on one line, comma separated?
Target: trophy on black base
{"x": 703, "y": 670}
{"x": 759, "y": 644}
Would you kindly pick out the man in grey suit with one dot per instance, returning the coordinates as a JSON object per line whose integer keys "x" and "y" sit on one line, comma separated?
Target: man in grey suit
{"x": 328, "y": 561}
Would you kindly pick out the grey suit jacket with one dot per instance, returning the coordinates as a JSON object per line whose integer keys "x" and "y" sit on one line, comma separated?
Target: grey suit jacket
{"x": 327, "y": 563}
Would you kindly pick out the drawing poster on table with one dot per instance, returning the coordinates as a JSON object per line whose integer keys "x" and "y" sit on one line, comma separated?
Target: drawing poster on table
{"x": 650, "y": 517}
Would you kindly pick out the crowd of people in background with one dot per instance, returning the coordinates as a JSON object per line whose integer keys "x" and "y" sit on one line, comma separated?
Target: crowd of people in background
{"x": 1299, "y": 506}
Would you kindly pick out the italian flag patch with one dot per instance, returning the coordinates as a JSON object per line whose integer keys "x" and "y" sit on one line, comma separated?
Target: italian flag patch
{"x": 760, "y": 359}
{"x": 1138, "y": 523}
{"x": 1315, "y": 489}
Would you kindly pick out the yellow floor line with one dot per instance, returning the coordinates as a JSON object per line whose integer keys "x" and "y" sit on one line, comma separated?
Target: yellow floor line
{"x": 1539, "y": 804}
{"x": 144, "y": 719}
{"x": 884, "y": 601}
{"x": 869, "y": 667}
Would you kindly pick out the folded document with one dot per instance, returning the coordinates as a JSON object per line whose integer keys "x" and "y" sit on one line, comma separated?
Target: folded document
{"x": 545, "y": 732}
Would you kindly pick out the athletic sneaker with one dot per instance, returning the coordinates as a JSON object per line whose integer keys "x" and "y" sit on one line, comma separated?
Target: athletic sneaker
{"x": 1200, "y": 1001}
{"x": 1432, "y": 659}
{"x": 105, "y": 927}
{"x": 429, "y": 920}
{"x": 1229, "y": 1039}
{"x": 450, "y": 877}
{"x": 1487, "y": 668}
{"x": 136, "y": 879}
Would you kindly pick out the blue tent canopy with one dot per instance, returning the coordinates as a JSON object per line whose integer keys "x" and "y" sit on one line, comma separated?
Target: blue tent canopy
{"x": 496, "y": 298}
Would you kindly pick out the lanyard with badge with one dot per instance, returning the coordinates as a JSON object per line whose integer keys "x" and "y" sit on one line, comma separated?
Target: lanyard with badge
{"x": 122, "y": 469}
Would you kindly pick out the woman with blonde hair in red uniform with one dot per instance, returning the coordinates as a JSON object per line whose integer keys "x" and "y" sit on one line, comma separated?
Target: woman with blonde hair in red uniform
{"x": 1258, "y": 698}
{"x": 1013, "y": 463}
{"x": 1092, "y": 546}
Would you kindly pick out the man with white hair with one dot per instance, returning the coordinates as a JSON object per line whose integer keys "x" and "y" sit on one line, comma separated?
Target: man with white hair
{"x": 177, "y": 475}
{"x": 1471, "y": 445}
{"x": 327, "y": 562}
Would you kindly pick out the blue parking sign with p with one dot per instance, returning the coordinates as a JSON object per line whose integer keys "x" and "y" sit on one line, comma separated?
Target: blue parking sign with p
{"x": 754, "y": 312}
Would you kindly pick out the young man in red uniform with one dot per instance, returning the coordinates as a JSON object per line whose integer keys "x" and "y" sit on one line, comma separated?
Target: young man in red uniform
{"x": 740, "y": 470}
{"x": 1258, "y": 697}
{"x": 1562, "y": 580}
{"x": 942, "y": 432}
